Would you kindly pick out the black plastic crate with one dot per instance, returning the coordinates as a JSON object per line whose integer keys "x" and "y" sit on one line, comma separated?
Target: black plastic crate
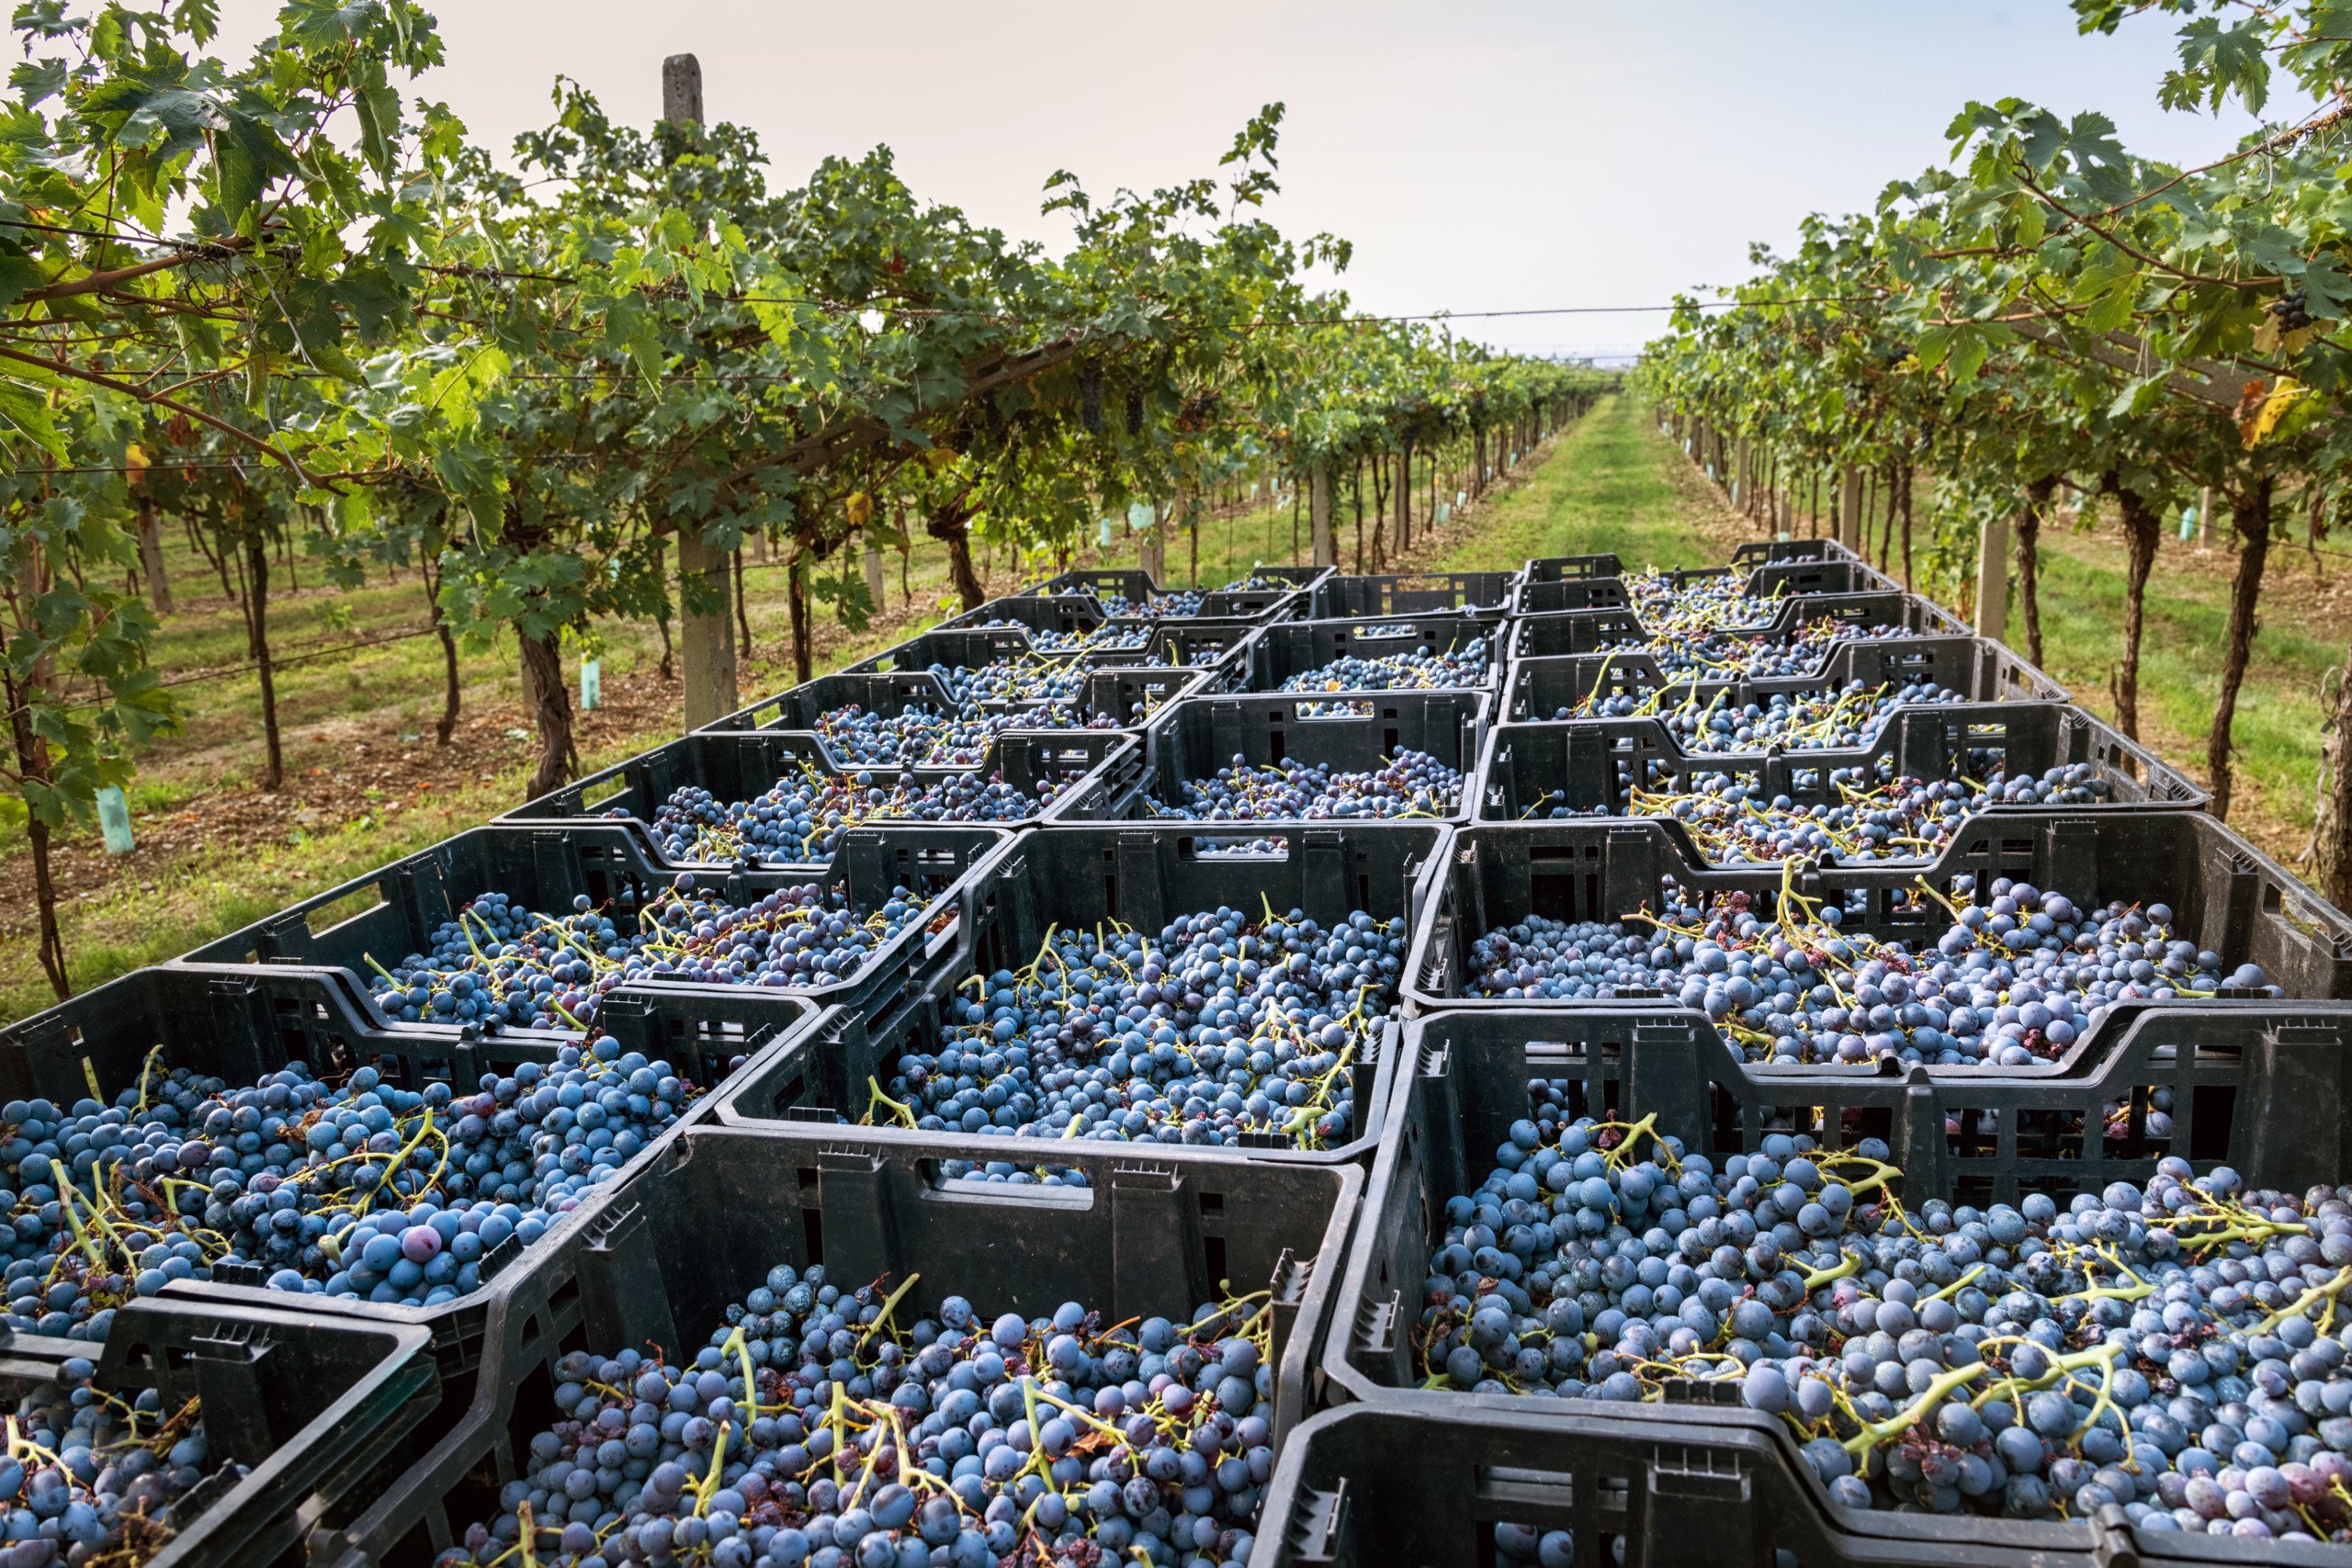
{"x": 973, "y": 648}
{"x": 1218, "y": 648}
{"x": 1601, "y": 592}
{"x": 1202, "y": 735}
{"x": 391, "y": 912}
{"x": 1760, "y": 552}
{"x": 1105, "y": 586}
{"x": 1296, "y": 576}
{"x": 1116, "y": 698}
{"x": 1215, "y": 646}
{"x": 736, "y": 766}
{"x": 957, "y": 647}
{"x": 664, "y": 1257}
{"x": 1530, "y": 768}
{"x": 1571, "y": 569}
{"x": 1425, "y": 1481}
{"x": 241, "y": 1022}
{"x": 1593, "y": 631}
{"x": 2227, "y": 896}
{"x": 1295, "y": 647}
{"x": 1411, "y": 594}
{"x": 2264, "y": 1087}
{"x": 1221, "y": 649}
{"x": 1766, "y": 580}
{"x": 1980, "y": 670}
{"x": 1060, "y": 614}
{"x": 317, "y": 1410}
{"x": 1177, "y": 644}
{"x": 1078, "y": 875}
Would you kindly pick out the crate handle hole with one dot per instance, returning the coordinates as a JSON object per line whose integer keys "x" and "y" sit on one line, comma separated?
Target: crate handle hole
{"x": 340, "y": 912}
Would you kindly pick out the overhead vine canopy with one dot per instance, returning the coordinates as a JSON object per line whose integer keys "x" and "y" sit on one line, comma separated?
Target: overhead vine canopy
{"x": 2049, "y": 309}
{"x": 290, "y": 296}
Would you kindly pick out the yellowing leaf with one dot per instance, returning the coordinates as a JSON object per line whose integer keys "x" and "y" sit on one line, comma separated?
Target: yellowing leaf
{"x": 2274, "y": 405}
{"x": 860, "y": 507}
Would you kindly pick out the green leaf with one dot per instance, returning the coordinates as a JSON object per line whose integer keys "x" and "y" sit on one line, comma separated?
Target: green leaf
{"x": 1970, "y": 347}
{"x": 35, "y": 80}
{"x": 19, "y": 274}
{"x": 2217, "y": 62}
{"x": 2033, "y": 222}
{"x": 26, "y": 418}
{"x": 322, "y": 24}
{"x": 201, "y": 19}
{"x": 242, "y": 156}
{"x": 197, "y": 338}
{"x": 378, "y": 108}
{"x": 2110, "y": 310}
{"x": 331, "y": 359}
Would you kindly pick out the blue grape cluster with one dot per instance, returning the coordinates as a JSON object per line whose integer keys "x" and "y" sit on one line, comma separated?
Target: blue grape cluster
{"x": 2167, "y": 1350}
{"x": 1844, "y": 716}
{"x": 1411, "y": 784}
{"x": 1734, "y": 823}
{"x": 921, "y": 737}
{"x": 802, "y": 818}
{"x": 91, "y": 1477}
{"x": 507, "y": 1160}
{"x": 1725, "y": 655}
{"x": 359, "y": 1190}
{"x": 1101, "y": 639}
{"x": 814, "y": 1428}
{"x": 1220, "y": 1027}
{"x": 2011, "y": 982}
{"x": 1027, "y": 681}
{"x": 1702, "y": 604}
{"x": 1176, "y": 604}
{"x": 500, "y": 965}
{"x": 1420, "y": 670}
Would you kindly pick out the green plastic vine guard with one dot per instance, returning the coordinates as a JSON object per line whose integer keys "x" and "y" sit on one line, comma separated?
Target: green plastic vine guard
{"x": 114, "y": 820}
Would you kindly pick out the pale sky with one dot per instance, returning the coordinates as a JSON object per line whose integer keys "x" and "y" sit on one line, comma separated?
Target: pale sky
{"x": 1483, "y": 156}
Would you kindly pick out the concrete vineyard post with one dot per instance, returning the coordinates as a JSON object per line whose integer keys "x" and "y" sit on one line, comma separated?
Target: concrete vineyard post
{"x": 1993, "y": 577}
{"x": 705, "y": 627}
{"x": 707, "y": 637}
{"x": 1318, "y": 501}
{"x": 151, "y": 570}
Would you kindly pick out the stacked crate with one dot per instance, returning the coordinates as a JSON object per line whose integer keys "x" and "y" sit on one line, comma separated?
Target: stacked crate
{"x": 1438, "y": 756}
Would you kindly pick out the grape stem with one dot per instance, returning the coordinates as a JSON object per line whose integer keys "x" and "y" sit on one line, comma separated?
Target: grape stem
{"x": 906, "y": 1115}
{"x": 146, "y": 1069}
{"x": 709, "y": 1487}
{"x": 889, "y": 1303}
{"x": 1848, "y": 1264}
{"x": 2332, "y": 1292}
{"x": 1874, "y": 1434}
